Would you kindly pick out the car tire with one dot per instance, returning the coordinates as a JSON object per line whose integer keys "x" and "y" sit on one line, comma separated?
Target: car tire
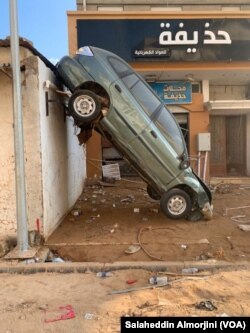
{"x": 176, "y": 204}
{"x": 84, "y": 106}
{"x": 152, "y": 193}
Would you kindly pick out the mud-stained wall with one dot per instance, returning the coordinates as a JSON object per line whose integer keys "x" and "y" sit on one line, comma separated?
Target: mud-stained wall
{"x": 54, "y": 160}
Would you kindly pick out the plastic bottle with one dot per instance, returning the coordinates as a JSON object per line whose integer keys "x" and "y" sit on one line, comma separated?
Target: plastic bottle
{"x": 103, "y": 274}
{"x": 158, "y": 280}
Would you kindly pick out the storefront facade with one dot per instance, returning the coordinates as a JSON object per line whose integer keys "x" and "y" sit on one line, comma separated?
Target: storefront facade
{"x": 197, "y": 62}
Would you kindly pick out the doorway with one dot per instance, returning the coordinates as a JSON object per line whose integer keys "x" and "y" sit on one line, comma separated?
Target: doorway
{"x": 228, "y": 146}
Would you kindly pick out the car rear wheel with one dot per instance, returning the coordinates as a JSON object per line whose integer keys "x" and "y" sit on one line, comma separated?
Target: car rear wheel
{"x": 176, "y": 203}
{"x": 84, "y": 106}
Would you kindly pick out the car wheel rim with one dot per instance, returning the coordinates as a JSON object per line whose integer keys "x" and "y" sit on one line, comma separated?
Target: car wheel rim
{"x": 177, "y": 205}
{"x": 84, "y": 105}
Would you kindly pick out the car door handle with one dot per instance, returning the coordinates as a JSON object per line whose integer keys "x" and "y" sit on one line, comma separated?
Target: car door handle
{"x": 153, "y": 134}
{"x": 118, "y": 88}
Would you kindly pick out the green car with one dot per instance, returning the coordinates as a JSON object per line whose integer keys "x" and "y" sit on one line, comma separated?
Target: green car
{"x": 108, "y": 95}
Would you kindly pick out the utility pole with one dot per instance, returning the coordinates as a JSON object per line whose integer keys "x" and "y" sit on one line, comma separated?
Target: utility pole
{"x": 21, "y": 209}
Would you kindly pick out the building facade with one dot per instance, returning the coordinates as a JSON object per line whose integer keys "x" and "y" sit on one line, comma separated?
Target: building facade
{"x": 195, "y": 56}
{"x": 54, "y": 160}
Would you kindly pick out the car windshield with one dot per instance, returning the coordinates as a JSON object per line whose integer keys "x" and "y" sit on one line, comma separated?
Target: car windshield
{"x": 168, "y": 126}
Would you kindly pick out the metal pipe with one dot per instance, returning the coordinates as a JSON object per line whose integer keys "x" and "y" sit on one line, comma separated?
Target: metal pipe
{"x": 21, "y": 209}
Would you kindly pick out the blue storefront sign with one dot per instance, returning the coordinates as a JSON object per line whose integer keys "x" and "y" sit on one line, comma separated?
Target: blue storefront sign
{"x": 174, "y": 92}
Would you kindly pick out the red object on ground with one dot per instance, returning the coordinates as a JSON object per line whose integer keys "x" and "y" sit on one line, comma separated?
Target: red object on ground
{"x": 70, "y": 313}
{"x": 131, "y": 281}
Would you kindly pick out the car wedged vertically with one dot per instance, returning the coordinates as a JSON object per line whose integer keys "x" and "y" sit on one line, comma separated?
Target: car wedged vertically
{"x": 109, "y": 96}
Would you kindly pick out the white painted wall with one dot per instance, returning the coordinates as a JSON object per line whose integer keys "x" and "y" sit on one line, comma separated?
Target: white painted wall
{"x": 63, "y": 161}
{"x": 54, "y": 160}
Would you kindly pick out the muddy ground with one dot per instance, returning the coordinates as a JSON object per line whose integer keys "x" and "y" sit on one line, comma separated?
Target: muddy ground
{"x": 112, "y": 218}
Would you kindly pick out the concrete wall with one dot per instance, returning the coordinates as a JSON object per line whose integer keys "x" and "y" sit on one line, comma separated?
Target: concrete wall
{"x": 54, "y": 160}
{"x": 228, "y": 92}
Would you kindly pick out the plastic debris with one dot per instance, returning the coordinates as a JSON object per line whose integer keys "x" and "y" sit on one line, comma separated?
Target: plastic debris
{"x": 206, "y": 305}
{"x": 184, "y": 246}
{"x": 136, "y": 210}
{"x": 68, "y": 313}
{"x": 161, "y": 280}
{"x": 244, "y": 227}
{"x": 89, "y": 315}
{"x": 103, "y": 274}
{"x": 132, "y": 249}
{"x": 131, "y": 281}
{"x": 190, "y": 270}
{"x": 57, "y": 259}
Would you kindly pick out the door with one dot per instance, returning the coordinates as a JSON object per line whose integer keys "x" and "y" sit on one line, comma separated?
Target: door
{"x": 228, "y": 146}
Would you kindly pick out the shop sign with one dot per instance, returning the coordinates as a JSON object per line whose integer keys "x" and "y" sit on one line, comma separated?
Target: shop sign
{"x": 169, "y": 39}
{"x": 174, "y": 92}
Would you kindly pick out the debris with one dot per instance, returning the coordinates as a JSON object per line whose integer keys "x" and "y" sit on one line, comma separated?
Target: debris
{"x": 89, "y": 316}
{"x": 244, "y": 227}
{"x": 184, "y": 246}
{"x": 206, "y": 305}
{"x": 76, "y": 212}
{"x": 158, "y": 280}
{"x": 131, "y": 281}
{"x": 103, "y": 274}
{"x": 136, "y": 210}
{"x": 190, "y": 270}
{"x": 124, "y": 291}
{"x": 70, "y": 313}
{"x": 154, "y": 210}
{"x": 57, "y": 259}
{"x": 132, "y": 249}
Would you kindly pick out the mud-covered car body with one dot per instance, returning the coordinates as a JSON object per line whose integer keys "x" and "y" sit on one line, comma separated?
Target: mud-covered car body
{"x": 109, "y": 95}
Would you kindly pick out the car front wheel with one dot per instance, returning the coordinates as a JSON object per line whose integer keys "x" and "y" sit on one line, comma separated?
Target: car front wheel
{"x": 84, "y": 106}
{"x": 176, "y": 203}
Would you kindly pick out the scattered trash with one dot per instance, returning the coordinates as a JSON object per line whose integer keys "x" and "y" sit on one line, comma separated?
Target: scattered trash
{"x": 125, "y": 291}
{"x": 206, "y": 305}
{"x": 76, "y": 212}
{"x": 57, "y": 259}
{"x": 184, "y": 246}
{"x": 131, "y": 281}
{"x": 136, "y": 210}
{"x": 154, "y": 210}
{"x": 68, "y": 313}
{"x": 144, "y": 219}
{"x": 89, "y": 316}
{"x": 132, "y": 249}
{"x": 112, "y": 230}
{"x": 103, "y": 274}
{"x": 190, "y": 270}
{"x": 30, "y": 261}
{"x": 161, "y": 280}
{"x": 244, "y": 227}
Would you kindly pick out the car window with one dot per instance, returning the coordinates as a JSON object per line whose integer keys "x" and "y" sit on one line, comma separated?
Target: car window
{"x": 168, "y": 126}
{"x": 142, "y": 93}
{"x": 119, "y": 66}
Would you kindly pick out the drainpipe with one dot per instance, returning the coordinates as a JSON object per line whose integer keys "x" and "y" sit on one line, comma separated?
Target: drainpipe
{"x": 21, "y": 210}
{"x": 84, "y": 4}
